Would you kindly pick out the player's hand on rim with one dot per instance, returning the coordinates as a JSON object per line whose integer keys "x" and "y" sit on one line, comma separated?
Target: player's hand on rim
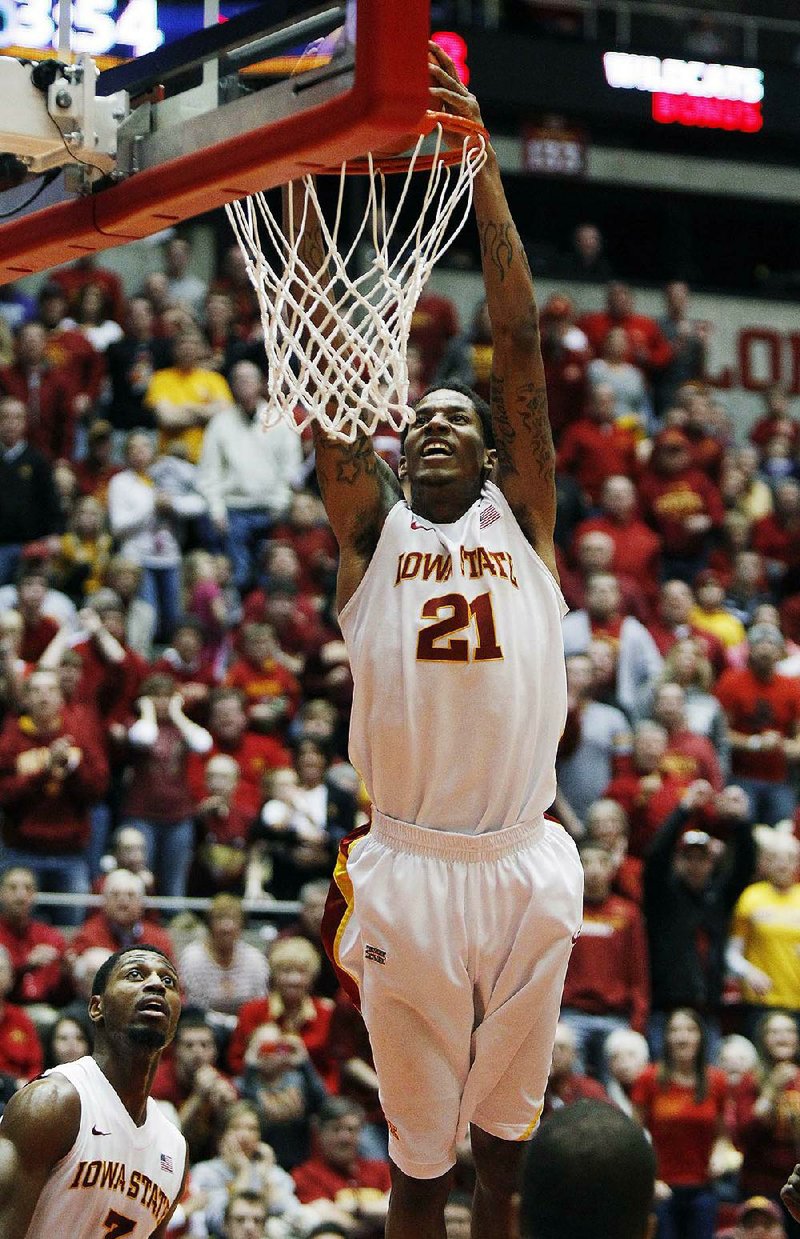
{"x": 447, "y": 88}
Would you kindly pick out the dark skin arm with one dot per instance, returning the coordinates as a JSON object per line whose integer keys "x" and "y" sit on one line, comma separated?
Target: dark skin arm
{"x": 358, "y": 488}
{"x": 40, "y": 1125}
{"x": 525, "y": 454}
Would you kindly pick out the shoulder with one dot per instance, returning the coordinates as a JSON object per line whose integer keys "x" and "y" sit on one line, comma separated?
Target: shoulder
{"x": 252, "y": 957}
{"x": 645, "y": 1084}
{"x": 42, "y": 1120}
{"x": 625, "y": 907}
{"x": 256, "y": 1009}
{"x": 753, "y": 895}
{"x": 193, "y": 953}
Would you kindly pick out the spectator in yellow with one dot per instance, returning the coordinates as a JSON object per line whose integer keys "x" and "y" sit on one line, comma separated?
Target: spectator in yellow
{"x": 764, "y": 946}
{"x": 710, "y": 615}
{"x": 185, "y": 396}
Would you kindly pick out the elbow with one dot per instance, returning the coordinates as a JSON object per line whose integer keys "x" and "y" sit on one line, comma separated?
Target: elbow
{"x": 519, "y": 330}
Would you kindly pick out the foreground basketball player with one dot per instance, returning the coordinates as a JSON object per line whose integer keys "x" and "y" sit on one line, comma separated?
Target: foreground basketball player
{"x": 458, "y": 907}
{"x": 84, "y": 1151}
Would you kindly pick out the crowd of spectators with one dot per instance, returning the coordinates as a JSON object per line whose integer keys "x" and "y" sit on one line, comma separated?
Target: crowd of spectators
{"x": 175, "y": 696}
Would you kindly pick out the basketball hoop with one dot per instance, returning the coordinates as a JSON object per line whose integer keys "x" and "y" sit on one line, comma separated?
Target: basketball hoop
{"x": 336, "y": 338}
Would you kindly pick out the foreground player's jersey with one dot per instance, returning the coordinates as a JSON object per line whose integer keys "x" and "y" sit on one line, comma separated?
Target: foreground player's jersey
{"x": 454, "y": 637}
{"x": 117, "y": 1179}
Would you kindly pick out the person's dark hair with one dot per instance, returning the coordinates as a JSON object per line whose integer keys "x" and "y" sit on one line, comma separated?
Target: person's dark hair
{"x": 589, "y": 1173}
{"x": 479, "y": 404}
{"x": 298, "y": 744}
{"x": 335, "y": 1108}
{"x": 666, "y": 1066}
{"x": 192, "y": 1017}
{"x": 189, "y": 623}
{"x": 252, "y": 1198}
{"x": 32, "y": 570}
{"x": 224, "y": 693}
{"x": 100, "y": 981}
{"x": 158, "y": 685}
{"x": 86, "y": 1027}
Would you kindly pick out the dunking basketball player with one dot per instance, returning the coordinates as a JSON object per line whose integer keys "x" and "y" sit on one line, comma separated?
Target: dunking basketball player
{"x": 458, "y": 907}
{"x": 84, "y": 1150}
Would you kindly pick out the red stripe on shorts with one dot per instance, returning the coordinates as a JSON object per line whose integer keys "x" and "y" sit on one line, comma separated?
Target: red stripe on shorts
{"x": 338, "y": 907}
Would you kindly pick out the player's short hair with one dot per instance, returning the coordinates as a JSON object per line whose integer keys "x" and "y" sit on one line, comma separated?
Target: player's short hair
{"x": 100, "y": 982}
{"x": 589, "y": 1173}
{"x": 478, "y": 403}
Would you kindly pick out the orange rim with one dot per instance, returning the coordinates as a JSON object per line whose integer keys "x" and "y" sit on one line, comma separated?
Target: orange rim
{"x": 472, "y": 132}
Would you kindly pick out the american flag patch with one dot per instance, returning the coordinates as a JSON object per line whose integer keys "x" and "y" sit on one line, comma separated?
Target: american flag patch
{"x": 375, "y": 954}
{"x": 166, "y": 1163}
{"x": 488, "y": 516}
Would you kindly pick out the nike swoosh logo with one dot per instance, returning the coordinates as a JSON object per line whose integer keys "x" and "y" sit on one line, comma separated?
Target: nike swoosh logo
{"x": 414, "y": 525}
{"x": 97, "y": 1132}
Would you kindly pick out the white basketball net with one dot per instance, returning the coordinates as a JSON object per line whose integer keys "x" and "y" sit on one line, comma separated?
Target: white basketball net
{"x": 336, "y": 338}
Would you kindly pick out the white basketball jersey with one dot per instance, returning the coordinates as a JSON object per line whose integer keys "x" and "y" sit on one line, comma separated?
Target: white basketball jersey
{"x": 117, "y": 1179}
{"x": 454, "y": 637}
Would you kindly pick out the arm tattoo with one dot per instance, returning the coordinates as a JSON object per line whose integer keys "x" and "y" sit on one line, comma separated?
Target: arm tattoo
{"x": 530, "y": 417}
{"x": 503, "y": 428}
{"x": 497, "y": 246}
{"x": 353, "y": 461}
{"x": 533, "y": 415}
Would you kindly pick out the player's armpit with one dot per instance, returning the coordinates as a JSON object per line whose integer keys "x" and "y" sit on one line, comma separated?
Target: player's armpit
{"x": 359, "y": 490}
{"x": 40, "y": 1125}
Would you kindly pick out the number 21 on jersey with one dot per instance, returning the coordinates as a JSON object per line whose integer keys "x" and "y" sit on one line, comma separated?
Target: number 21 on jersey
{"x": 452, "y": 615}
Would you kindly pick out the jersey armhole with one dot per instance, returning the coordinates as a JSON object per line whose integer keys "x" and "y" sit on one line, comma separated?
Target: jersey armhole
{"x": 391, "y": 515}
{"x": 495, "y": 493}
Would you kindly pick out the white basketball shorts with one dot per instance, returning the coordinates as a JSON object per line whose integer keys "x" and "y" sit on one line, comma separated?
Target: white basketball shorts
{"x": 458, "y": 946}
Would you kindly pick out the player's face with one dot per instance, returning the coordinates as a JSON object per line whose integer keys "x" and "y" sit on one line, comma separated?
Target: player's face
{"x": 142, "y": 1000}
{"x": 445, "y": 440}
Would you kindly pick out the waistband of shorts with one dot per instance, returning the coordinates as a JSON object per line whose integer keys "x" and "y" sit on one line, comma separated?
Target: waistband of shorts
{"x": 449, "y": 845}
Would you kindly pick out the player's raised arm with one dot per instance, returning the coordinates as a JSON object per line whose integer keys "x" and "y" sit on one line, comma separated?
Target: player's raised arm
{"x": 358, "y": 488}
{"x": 40, "y": 1125}
{"x": 524, "y": 441}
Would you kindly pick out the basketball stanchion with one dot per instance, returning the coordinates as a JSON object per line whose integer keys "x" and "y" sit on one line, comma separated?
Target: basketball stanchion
{"x": 336, "y": 337}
